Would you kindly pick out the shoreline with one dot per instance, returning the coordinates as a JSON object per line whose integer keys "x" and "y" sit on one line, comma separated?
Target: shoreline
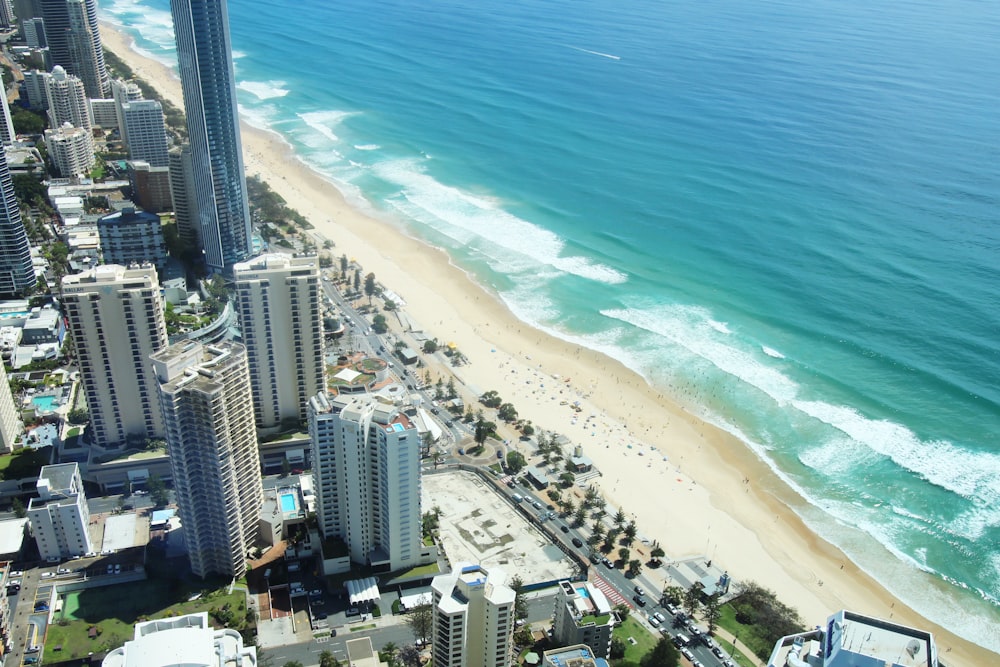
{"x": 702, "y": 504}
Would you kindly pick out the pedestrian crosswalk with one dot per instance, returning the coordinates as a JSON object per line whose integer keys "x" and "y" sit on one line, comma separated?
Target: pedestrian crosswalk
{"x": 613, "y": 596}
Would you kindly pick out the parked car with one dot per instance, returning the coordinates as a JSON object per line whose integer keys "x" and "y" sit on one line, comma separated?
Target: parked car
{"x": 639, "y": 600}
{"x": 118, "y": 568}
{"x": 316, "y": 592}
{"x": 660, "y": 617}
{"x": 652, "y": 621}
{"x": 63, "y": 570}
{"x": 577, "y": 542}
{"x": 47, "y": 575}
{"x": 638, "y": 591}
{"x": 718, "y": 652}
{"x": 564, "y": 528}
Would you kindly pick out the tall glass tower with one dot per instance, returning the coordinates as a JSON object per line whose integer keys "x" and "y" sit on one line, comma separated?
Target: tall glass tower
{"x": 17, "y": 274}
{"x": 205, "y": 59}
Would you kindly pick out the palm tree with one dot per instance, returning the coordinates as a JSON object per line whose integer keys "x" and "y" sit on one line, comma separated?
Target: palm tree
{"x": 620, "y": 519}
{"x": 327, "y": 659}
{"x": 630, "y": 532}
{"x": 389, "y": 651}
{"x": 623, "y": 554}
{"x": 656, "y": 554}
{"x": 634, "y": 567}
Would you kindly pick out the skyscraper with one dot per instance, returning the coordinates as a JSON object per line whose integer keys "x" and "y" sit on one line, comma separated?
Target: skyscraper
{"x": 473, "y": 617}
{"x": 182, "y": 194}
{"x": 144, "y": 132}
{"x": 366, "y": 468}
{"x": 278, "y": 299}
{"x": 205, "y": 61}
{"x": 74, "y": 41}
{"x": 117, "y": 321}
{"x": 208, "y": 416}
{"x": 7, "y": 134}
{"x": 10, "y": 420}
{"x": 67, "y": 99}
{"x": 17, "y": 274}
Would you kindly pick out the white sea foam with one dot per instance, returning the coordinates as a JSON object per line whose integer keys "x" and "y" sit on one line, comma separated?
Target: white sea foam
{"x": 509, "y": 239}
{"x": 771, "y": 352}
{"x": 719, "y": 326}
{"x": 264, "y": 90}
{"x": 972, "y": 475}
{"x": 689, "y": 327}
{"x": 367, "y": 147}
{"x": 324, "y": 122}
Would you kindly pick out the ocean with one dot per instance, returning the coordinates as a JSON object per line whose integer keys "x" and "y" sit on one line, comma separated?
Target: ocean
{"x": 785, "y": 214}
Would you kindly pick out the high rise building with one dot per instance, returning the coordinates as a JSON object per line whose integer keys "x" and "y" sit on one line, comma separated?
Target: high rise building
{"x": 116, "y": 318}
{"x": 10, "y": 422}
{"x": 583, "y": 615}
{"x": 59, "y": 516}
{"x": 74, "y": 40}
{"x": 145, "y": 133}
{"x": 279, "y": 302}
{"x": 67, "y": 99}
{"x": 17, "y": 274}
{"x": 123, "y": 92}
{"x": 7, "y": 20}
{"x": 366, "y": 471}
{"x": 208, "y": 418}
{"x": 182, "y": 194}
{"x": 182, "y": 640}
{"x": 132, "y": 237}
{"x": 7, "y": 134}
{"x": 34, "y": 33}
{"x": 205, "y": 60}
{"x": 71, "y": 149}
{"x": 150, "y": 186}
{"x": 34, "y": 89}
{"x": 473, "y": 617}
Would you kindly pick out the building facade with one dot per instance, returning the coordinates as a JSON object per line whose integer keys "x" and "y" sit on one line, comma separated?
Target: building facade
{"x": 34, "y": 91}
{"x": 473, "y": 617}
{"x": 145, "y": 133}
{"x": 71, "y": 150}
{"x": 182, "y": 640}
{"x": 583, "y": 615}
{"x": 150, "y": 186}
{"x": 104, "y": 114}
{"x": 204, "y": 53}
{"x": 182, "y": 196}
{"x": 59, "y": 516}
{"x": 123, "y": 92}
{"x": 11, "y": 427}
{"x": 279, "y": 302}
{"x": 7, "y": 134}
{"x": 17, "y": 274}
{"x": 212, "y": 440}
{"x": 74, "y": 41}
{"x": 366, "y": 473}
{"x": 116, "y": 317}
{"x": 34, "y": 33}
{"x": 67, "y": 100}
{"x": 132, "y": 237}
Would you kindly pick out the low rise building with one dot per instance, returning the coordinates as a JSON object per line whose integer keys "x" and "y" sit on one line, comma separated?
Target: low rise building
{"x": 132, "y": 237}
{"x": 59, "y": 516}
{"x": 579, "y": 655}
{"x": 583, "y": 615}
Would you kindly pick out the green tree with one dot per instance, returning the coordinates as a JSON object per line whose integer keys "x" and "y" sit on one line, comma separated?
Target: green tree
{"x": 712, "y": 612}
{"x": 484, "y": 429}
{"x": 421, "y": 621}
{"x": 579, "y": 516}
{"x": 379, "y": 324}
{"x": 27, "y": 122}
{"x": 672, "y": 594}
{"x": 623, "y": 554}
{"x": 634, "y": 567}
{"x": 507, "y": 412}
{"x": 452, "y": 391}
{"x": 515, "y": 461}
{"x": 78, "y": 416}
{"x": 157, "y": 491}
{"x": 527, "y": 429}
{"x": 327, "y": 659}
{"x": 566, "y": 481}
{"x": 370, "y": 287}
{"x": 692, "y": 598}
{"x": 430, "y": 346}
{"x": 357, "y": 280}
{"x": 592, "y": 497}
{"x": 617, "y": 648}
{"x": 629, "y": 533}
{"x": 620, "y": 519}
{"x": 343, "y": 264}
{"x": 664, "y": 654}
{"x": 656, "y": 554}
{"x": 292, "y": 663}
{"x": 388, "y": 653}
{"x": 520, "y": 603}
{"x": 409, "y": 656}
{"x": 19, "y": 509}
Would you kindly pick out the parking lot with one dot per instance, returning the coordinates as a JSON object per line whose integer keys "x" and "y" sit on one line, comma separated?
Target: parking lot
{"x": 478, "y": 525}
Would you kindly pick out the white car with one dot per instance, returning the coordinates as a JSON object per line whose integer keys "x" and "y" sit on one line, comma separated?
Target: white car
{"x": 48, "y": 575}
{"x": 16, "y": 573}
{"x": 654, "y": 621}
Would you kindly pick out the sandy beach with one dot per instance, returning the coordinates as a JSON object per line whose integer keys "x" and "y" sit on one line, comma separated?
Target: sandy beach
{"x": 694, "y": 488}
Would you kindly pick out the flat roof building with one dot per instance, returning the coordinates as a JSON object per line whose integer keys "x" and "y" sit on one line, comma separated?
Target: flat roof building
{"x": 59, "y": 516}
{"x": 187, "y": 640}
{"x": 473, "y": 617}
{"x": 583, "y": 615}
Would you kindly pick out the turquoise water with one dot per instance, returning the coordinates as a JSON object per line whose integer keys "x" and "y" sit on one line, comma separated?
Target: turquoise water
{"x": 783, "y": 214}
{"x": 583, "y": 592}
{"x": 288, "y": 503}
{"x": 45, "y": 403}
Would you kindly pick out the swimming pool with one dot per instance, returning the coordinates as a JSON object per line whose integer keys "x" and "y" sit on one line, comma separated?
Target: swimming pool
{"x": 288, "y": 503}
{"x": 45, "y": 403}
{"x": 583, "y": 592}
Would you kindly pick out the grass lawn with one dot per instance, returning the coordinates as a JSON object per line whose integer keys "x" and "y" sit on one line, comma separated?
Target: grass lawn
{"x": 738, "y": 656}
{"x": 115, "y": 609}
{"x": 645, "y": 641}
{"x": 748, "y": 635}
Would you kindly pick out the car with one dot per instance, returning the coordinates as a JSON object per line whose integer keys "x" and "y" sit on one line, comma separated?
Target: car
{"x": 352, "y": 611}
{"x": 434, "y": 411}
{"x": 461, "y": 451}
{"x": 63, "y": 570}
{"x": 111, "y": 568}
{"x": 52, "y": 559}
{"x": 41, "y": 606}
{"x": 728, "y": 663}
{"x": 671, "y": 608}
{"x": 718, "y": 652}
{"x": 30, "y": 660}
{"x": 537, "y": 504}
{"x": 607, "y": 563}
{"x": 449, "y": 423}
{"x": 652, "y": 621}
{"x": 118, "y": 568}
{"x": 595, "y": 557}
{"x": 16, "y": 573}
{"x": 696, "y": 663}
{"x": 686, "y": 652}
{"x": 577, "y": 542}
{"x": 316, "y": 592}
{"x": 564, "y": 528}
{"x": 320, "y": 615}
{"x": 48, "y": 575}
{"x": 639, "y": 600}
{"x": 14, "y": 582}
{"x": 638, "y": 591}
{"x": 31, "y": 649}
{"x": 660, "y": 617}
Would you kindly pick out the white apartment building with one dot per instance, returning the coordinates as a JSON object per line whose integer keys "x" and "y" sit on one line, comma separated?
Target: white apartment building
{"x": 123, "y": 92}
{"x": 7, "y": 134}
{"x": 144, "y": 132}
{"x": 71, "y": 150}
{"x": 473, "y": 617}
{"x": 11, "y": 427}
{"x": 116, "y": 318}
{"x": 583, "y": 615}
{"x": 67, "y": 100}
{"x": 59, "y": 516}
{"x": 366, "y": 473}
{"x": 212, "y": 440}
{"x": 279, "y": 302}
{"x": 188, "y": 640}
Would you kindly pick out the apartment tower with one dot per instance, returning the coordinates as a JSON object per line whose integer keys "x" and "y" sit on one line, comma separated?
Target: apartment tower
{"x": 7, "y": 134}
{"x": 74, "y": 41}
{"x": 212, "y": 442}
{"x": 182, "y": 195}
{"x": 205, "y": 59}
{"x": 67, "y": 100}
{"x": 366, "y": 469}
{"x": 473, "y": 617}
{"x": 278, "y": 299}
{"x": 11, "y": 427}
{"x": 60, "y": 516}
{"x": 17, "y": 274}
{"x": 144, "y": 132}
{"x": 116, "y": 319}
